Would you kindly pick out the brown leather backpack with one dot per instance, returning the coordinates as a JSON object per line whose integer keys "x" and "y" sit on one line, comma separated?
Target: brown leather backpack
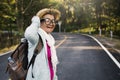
{"x": 18, "y": 61}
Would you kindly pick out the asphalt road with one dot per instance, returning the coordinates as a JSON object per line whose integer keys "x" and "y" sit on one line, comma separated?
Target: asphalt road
{"x": 80, "y": 58}
{"x": 3, "y": 66}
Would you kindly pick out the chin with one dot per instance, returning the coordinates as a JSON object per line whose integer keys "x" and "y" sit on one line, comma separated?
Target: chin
{"x": 49, "y": 32}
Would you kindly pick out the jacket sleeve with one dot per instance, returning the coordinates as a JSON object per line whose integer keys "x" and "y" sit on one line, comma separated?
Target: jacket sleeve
{"x": 31, "y": 31}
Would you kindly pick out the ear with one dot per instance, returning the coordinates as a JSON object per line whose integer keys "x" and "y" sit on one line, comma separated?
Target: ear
{"x": 42, "y": 20}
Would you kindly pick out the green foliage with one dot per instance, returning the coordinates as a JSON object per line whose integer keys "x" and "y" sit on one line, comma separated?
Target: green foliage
{"x": 6, "y": 15}
{"x": 17, "y": 14}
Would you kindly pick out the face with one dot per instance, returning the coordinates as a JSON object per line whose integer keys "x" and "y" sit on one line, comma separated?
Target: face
{"x": 48, "y": 23}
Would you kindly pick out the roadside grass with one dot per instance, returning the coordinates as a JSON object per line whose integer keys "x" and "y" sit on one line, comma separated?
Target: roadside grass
{"x": 4, "y": 50}
{"x": 113, "y": 42}
{"x": 118, "y": 45}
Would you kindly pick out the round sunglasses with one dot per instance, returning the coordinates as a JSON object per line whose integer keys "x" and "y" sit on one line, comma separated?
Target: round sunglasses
{"x": 48, "y": 21}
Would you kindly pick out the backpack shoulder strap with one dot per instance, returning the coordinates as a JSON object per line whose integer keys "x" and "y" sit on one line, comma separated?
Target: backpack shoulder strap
{"x": 36, "y": 52}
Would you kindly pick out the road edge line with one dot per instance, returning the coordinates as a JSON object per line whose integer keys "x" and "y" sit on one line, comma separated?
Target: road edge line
{"x": 105, "y": 49}
{"x": 61, "y": 42}
{"x": 5, "y": 53}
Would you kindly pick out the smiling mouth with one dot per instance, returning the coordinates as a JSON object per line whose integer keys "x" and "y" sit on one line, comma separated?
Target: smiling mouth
{"x": 50, "y": 27}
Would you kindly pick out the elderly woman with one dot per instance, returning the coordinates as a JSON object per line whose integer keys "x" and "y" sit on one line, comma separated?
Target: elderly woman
{"x": 45, "y": 63}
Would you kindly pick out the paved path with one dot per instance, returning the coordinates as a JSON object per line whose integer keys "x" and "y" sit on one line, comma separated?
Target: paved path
{"x": 81, "y": 58}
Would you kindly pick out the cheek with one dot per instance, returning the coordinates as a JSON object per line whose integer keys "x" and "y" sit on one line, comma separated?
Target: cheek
{"x": 53, "y": 27}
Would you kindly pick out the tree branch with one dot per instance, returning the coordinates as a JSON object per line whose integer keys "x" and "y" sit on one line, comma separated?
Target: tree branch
{"x": 27, "y": 7}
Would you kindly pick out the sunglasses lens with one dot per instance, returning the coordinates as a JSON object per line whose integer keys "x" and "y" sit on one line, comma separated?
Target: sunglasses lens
{"x": 48, "y": 21}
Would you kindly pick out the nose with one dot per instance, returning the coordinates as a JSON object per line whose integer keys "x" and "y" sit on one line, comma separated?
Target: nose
{"x": 52, "y": 24}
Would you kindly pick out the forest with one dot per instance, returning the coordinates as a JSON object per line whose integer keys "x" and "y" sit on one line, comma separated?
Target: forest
{"x": 76, "y": 15}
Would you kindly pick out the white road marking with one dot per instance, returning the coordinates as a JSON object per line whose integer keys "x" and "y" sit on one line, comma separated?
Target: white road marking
{"x": 61, "y": 42}
{"x": 105, "y": 49}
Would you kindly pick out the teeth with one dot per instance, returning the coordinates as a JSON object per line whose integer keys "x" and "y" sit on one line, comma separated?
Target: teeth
{"x": 49, "y": 27}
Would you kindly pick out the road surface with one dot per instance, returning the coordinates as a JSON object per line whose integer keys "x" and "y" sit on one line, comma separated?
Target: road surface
{"x": 80, "y": 58}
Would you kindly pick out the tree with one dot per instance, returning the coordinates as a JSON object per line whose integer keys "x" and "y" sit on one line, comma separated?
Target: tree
{"x": 6, "y": 14}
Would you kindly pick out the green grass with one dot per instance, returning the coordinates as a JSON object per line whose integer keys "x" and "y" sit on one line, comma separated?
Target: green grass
{"x": 115, "y": 41}
{"x": 4, "y": 50}
{"x": 86, "y": 30}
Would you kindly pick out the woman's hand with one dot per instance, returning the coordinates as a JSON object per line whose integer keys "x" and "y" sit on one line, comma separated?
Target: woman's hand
{"x": 36, "y": 20}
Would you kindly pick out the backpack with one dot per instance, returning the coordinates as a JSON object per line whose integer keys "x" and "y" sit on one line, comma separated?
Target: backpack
{"x": 18, "y": 61}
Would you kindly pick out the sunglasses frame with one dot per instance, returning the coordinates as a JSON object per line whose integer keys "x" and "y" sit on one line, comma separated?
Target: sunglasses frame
{"x": 48, "y": 21}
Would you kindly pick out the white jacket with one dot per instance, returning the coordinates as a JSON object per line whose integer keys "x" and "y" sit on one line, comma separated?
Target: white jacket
{"x": 41, "y": 68}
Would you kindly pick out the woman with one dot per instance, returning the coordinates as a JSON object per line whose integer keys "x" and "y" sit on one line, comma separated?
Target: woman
{"x": 45, "y": 63}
